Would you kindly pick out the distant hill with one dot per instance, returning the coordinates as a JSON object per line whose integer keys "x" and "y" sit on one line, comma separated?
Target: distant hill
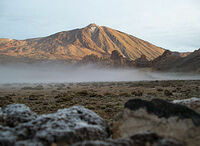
{"x": 75, "y": 44}
{"x": 173, "y": 61}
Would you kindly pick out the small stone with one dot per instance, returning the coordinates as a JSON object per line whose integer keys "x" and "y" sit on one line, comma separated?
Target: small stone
{"x": 168, "y": 93}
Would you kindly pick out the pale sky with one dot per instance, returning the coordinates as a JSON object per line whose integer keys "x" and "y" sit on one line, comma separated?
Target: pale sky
{"x": 171, "y": 24}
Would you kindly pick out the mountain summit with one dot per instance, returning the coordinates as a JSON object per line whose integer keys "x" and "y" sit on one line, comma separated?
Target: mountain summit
{"x": 77, "y": 43}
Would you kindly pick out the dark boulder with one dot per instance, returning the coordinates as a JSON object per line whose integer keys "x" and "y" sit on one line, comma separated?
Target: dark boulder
{"x": 165, "y": 109}
{"x": 158, "y": 116}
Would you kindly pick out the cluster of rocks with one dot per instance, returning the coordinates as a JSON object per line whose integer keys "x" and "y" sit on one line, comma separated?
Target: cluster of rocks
{"x": 156, "y": 123}
{"x": 21, "y": 126}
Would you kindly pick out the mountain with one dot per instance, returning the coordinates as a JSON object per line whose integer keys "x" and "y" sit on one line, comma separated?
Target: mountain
{"x": 173, "y": 61}
{"x": 75, "y": 44}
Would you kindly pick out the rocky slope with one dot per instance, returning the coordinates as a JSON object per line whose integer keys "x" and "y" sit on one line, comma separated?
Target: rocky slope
{"x": 75, "y": 44}
{"x": 171, "y": 61}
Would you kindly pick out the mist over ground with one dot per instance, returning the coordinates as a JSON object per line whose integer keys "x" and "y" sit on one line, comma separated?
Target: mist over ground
{"x": 58, "y": 73}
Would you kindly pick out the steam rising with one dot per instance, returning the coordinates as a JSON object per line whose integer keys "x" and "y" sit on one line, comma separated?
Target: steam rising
{"x": 48, "y": 73}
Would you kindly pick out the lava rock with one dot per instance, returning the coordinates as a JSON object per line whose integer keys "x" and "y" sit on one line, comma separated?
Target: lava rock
{"x": 165, "y": 109}
{"x": 15, "y": 114}
{"x": 158, "y": 116}
{"x": 168, "y": 93}
{"x": 137, "y": 93}
{"x": 64, "y": 127}
{"x": 193, "y": 103}
{"x": 188, "y": 101}
{"x": 28, "y": 143}
{"x": 150, "y": 139}
{"x": 7, "y": 136}
{"x": 67, "y": 126}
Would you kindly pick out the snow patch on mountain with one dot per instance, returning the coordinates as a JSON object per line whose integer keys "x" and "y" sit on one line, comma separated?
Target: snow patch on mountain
{"x": 93, "y": 29}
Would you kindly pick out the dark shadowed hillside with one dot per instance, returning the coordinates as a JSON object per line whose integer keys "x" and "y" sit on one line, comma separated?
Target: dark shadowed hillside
{"x": 171, "y": 61}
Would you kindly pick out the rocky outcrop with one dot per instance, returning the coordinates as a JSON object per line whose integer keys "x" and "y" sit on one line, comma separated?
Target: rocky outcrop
{"x": 165, "y": 61}
{"x": 64, "y": 127}
{"x": 115, "y": 59}
{"x": 142, "y": 61}
{"x": 158, "y": 116}
{"x": 190, "y": 63}
{"x": 90, "y": 59}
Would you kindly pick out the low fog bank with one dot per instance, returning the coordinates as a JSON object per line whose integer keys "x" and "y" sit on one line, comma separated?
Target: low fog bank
{"x": 57, "y": 73}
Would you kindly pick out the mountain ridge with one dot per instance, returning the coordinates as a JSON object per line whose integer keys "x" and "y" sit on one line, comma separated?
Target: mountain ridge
{"x": 172, "y": 61}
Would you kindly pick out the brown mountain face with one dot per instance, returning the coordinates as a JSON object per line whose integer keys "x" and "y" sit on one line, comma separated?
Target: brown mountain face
{"x": 173, "y": 61}
{"x": 75, "y": 44}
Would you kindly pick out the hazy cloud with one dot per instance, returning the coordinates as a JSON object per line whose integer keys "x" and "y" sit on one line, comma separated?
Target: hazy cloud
{"x": 47, "y": 73}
